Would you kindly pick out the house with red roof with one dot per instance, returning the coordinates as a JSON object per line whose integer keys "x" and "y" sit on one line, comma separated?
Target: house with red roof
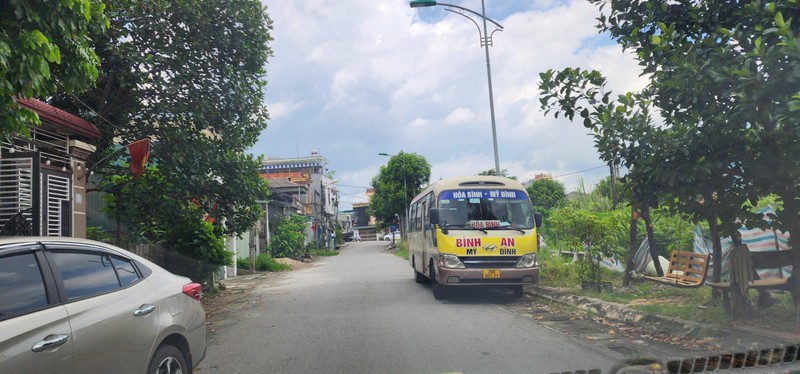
{"x": 43, "y": 178}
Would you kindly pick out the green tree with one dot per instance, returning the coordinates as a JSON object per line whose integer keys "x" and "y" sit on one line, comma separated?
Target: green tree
{"x": 177, "y": 224}
{"x": 623, "y": 134}
{"x": 503, "y": 173}
{"x": 546, "y": 193}
{"x": 396, "y": 184}
{"x": 190, "y": 76}
{"x": 598, "y": 233}
{"x": 668, "y": 166}
{"x": 604, "y": 188}
{"x": 289, "y": 236}
{"x": 726, "y": 75}
{"x": 45, "y": 48}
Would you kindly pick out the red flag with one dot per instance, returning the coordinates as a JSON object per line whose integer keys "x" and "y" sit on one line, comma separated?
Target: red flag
{"x": 140, "y": 152}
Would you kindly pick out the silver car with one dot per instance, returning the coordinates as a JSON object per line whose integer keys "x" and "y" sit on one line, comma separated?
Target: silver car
{"x": 80, "y": 306}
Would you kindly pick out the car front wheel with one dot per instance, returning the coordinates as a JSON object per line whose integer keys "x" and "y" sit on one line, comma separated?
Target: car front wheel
{"x": 168, "y": 359}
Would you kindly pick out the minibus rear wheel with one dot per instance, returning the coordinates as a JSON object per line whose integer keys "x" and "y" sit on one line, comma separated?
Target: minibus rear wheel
{"x": 418, "y": 277}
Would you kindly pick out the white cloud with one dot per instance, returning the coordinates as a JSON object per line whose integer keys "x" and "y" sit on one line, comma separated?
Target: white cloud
{"x": 419, "y": 122}
{"x": 460, "y": 115}
{"x": 379, "y": 76}
{"x": 280, "y": 109}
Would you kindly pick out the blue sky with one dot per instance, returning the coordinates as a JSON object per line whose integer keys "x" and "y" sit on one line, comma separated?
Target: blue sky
{"x": 354, "y": 78}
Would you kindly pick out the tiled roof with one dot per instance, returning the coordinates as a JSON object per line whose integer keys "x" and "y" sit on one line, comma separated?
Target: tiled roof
{"x": 281, "y": 183}
{"x": 293, "y": 174}
{"x": 58, "y": 117}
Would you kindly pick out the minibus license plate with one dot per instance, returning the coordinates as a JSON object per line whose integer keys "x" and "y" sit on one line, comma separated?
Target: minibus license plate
{"x": 491, "y": 273}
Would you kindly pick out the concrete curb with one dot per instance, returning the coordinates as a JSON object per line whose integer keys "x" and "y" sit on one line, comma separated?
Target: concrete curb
{"x": 621, "y": 313}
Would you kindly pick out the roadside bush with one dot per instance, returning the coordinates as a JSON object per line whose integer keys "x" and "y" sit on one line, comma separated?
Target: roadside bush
{"x": 289, "y": 236}
{"x": 310, "y": 247}
{"x": 339, "y": 235}
{"x": 243, "y": 263}
{"x": 556, "y": 270}
{"x": 323, "y": 252}
{"x": 97, "y": 233}
{"x": 266, "y": 263}
{"x": 402, "y": 249}
{"x": 599, "y": 233}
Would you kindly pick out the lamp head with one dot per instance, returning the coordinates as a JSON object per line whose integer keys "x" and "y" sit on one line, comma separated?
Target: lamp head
{"x": 422, "y": 3}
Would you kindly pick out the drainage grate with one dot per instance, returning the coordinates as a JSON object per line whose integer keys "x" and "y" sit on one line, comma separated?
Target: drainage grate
{"x": 592, "y": 371}
{"x": 742, "y": 360}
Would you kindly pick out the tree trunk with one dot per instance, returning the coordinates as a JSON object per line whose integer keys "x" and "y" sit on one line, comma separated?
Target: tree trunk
{"x": 791, "y": 215}
{"x": 626, "y": 280}
{"x": 613, "y": 184}
{"x": 118, "y": 234}
{"x": 651, "y": 241}
{"x": 717, "y": 254}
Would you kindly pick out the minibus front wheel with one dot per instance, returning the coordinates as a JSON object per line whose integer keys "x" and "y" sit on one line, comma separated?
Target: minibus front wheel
{"x": 439, "y": 290}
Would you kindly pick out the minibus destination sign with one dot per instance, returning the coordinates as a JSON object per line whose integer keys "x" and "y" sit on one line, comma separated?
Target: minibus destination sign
{"x": 483, "y": 194}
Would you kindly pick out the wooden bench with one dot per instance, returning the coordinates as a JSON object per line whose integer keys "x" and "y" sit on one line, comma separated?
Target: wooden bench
{"x": 743, "y": 266}
{"x": 763, "y": 260}
{"x": 686, "y": 269}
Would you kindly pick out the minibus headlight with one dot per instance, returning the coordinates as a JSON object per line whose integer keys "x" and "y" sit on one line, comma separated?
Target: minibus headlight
{"x": 450, "y": 262}
{"x": 527, "y": 261}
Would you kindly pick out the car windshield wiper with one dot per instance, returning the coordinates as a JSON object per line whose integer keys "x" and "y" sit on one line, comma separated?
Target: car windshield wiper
{"x": 507, "y": 228}
{"x": 461, "y": 225}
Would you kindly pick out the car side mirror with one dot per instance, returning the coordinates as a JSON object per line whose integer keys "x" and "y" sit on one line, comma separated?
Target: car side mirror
{"x": 434, "y": 216}
{"x": 538, "y": 217}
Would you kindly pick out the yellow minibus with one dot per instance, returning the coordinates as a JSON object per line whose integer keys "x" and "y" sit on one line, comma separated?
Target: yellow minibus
{"x": 469, "y": 231}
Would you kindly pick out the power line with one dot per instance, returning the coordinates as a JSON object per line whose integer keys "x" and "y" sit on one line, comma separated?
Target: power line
{"x": 345, "y": 185}
{"x": 353, "y": 195}
{"x": 75, "y": 98}
{"x": 577, "y": 172}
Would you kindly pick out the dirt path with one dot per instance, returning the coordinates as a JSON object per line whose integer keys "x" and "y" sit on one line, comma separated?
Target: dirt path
{"x": 234, "y": 290}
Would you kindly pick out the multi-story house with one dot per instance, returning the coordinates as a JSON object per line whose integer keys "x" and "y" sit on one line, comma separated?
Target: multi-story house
{"x": 43, "y": 177}
{"x": 320, "y": 203}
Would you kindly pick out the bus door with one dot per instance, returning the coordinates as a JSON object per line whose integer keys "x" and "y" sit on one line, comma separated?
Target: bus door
{"x": 424, "y": 223}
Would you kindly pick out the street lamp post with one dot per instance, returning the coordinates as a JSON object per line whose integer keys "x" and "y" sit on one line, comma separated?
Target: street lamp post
{"x": 486, "y": 41}
{"x": 405, "y": 197}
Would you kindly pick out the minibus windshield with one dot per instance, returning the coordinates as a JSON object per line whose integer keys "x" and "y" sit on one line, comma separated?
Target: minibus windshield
{"x": 485, "y": 209}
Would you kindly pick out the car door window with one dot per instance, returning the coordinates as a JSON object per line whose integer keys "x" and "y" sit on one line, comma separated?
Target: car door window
{"x": 125, "y": 271}
{"x": 21, "y": 285}
{"x": 84, "y": 273}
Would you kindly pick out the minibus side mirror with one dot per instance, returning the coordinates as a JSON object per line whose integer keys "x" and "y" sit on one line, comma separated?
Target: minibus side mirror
{"x": 434, "y": 216}
{"x": 538, "y": 217}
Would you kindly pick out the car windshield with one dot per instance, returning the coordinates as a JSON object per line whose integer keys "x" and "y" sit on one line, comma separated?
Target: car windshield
{"x": 485, "y": 209}
{"x": 570, "y": 184}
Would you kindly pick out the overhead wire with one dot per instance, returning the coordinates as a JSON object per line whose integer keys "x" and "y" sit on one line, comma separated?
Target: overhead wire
{"x": 576, "y": 172}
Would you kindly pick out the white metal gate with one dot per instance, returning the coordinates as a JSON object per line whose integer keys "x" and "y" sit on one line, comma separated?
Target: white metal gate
{"x": 56, "y": 199}
{"x": 19, "y": 188}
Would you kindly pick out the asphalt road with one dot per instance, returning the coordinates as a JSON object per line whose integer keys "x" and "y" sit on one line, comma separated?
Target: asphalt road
{"x": 361, "y": 312}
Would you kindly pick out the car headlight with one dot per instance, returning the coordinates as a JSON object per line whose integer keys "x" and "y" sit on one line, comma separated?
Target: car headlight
{"x": 450, "y": 262}
{"x": 527, "y": 261}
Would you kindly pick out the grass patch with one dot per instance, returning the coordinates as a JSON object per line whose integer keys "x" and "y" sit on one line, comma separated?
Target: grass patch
{"x": 243, "y": 263}
{"x": 557, "y": 271}
{"x": 324, "y": 252}
{"x": 402, "y": 249}
{"x": 263, "y": 263}
{"x": 266, "y": 263}
{"x": 693, "y": 304}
